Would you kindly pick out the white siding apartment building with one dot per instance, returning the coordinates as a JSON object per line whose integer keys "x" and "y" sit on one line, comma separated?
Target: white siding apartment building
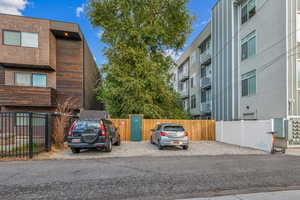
{"x": 245, "y": 64}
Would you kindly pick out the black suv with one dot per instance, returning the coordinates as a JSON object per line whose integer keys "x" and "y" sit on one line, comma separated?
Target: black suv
{"x": 90, "y": 134}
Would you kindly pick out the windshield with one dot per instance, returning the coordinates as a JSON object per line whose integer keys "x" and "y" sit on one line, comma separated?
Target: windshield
{"x": 173, "y": 128}
{"x": 86, "y": 125}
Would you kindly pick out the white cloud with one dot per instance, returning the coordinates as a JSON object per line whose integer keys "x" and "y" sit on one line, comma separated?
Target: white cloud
{"x": 13, "y": 7}
{"x": 173, "y": 54}
{"x": 79, "y": 10}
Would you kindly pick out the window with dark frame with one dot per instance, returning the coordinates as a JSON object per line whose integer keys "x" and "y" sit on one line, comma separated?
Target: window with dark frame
{"x": 249, "y": 83}
{"x": 248, "y": 10}
{"x": 205, "y": 95}
{"x": 203, "y": 72}
{"x": 20, "y": 39}
{"x": 248, "y": 46}
{"x": 30, "y": 79}
{"x": 193, "y": 101}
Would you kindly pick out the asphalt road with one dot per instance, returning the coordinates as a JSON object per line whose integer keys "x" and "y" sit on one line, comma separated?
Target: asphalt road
{"x": 148, "y": 177}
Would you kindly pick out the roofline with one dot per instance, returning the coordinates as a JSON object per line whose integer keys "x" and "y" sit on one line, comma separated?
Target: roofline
{"x": 51, "y": 20}
{"x": 21, "y": 16}
{"x": 199, "y": 35}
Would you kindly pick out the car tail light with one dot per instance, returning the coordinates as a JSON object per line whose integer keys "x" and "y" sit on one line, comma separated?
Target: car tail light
{"x": 163, "y": 134}
{"x": 186, "y": 134}
{"x": 71, "y": 129}
{"x": 103, "y": 130}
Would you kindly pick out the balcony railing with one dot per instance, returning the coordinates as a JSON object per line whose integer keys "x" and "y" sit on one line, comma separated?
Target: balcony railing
{"x": 206, "y": 107}
{"x": 205, "y": 57}
{"x": 27, "y": 96}
{"x": 183, "y": 76}
{"x": 184, "y": 94}
{"x": 205, "y": 82}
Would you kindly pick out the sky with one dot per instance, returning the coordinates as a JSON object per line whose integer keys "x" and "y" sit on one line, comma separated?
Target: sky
{"x": 74, "y": 11}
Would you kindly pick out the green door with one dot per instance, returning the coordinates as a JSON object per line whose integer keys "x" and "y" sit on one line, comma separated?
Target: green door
{"x": 136, "y": 128}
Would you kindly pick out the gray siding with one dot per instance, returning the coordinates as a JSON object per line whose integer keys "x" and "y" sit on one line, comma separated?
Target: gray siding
{"x": 275, "y": 62}
{"x": 194, "y": 70}
{"x": 293, "y": 92}
{"x": 225, "y": 71}
{"x": 269, "y": 61}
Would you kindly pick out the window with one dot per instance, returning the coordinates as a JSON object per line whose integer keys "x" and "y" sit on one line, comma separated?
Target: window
{"x": 180, "y": 86}
{"x": 24, "y": 39}
{"x": 203, "y": 72}
{"x": 249, "y": 83}
{"x": 193, "y": 101}
{"x": 27, "y": 79}
{"x": 192, "y": 82}
{"x": 173, "y": 128}
{"x": 244, "y": 14}
{"x": 23, "y": 79}
{"x": 193, "y": 58}
{"x": 248, "y": 10}
{"x": 39, "y": 80}
{"x": 205, "y": 96}
{"x": 29, "y": 39}
{"x": 12, "y": 38}
{"x": 205, "y": 45}
{"x": 248, "y": 46}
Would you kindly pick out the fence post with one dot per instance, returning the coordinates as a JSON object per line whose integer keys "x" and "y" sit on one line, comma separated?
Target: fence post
{"x": 30, "y": 136}
{"x": 47, "y": 142}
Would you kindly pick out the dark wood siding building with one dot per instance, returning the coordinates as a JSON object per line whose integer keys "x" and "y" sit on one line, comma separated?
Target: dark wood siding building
{"x": 43, "y": 63}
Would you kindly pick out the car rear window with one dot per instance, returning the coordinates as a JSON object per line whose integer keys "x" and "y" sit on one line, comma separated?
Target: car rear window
{"x": 173, "y": 128}
{"x": 86, "y": 125}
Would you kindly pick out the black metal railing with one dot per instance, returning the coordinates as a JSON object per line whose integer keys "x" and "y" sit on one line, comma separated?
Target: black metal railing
{"x": 24, "y": 134}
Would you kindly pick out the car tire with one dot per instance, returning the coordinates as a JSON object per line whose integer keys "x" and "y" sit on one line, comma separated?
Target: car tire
{"x": 160, "y": 147}
{"x": 186, "y": 147}
{"x": 151, "y": 140}
{"x": 108, "y": 147}
{"x": 75, "y": 150}
{"x": 118, "y": 143}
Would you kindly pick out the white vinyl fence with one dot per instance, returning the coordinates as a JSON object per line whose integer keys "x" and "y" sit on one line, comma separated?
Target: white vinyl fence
{"x": 253, "y": 134}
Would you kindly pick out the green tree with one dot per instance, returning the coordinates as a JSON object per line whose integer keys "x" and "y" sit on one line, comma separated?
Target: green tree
{"x": 137, "y": 34}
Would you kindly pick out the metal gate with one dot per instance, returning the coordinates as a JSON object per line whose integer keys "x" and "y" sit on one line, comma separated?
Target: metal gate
{"x": 23, "y": 134}
{"x": 136, "y": 128}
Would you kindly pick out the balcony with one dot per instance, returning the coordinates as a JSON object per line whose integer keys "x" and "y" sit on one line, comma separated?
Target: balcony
{"x": 205, "y": 57}
{"x": 184, "y": 94}
{"x": 206, "y": 107}
{"x": 205, "y": 82}
{"x": 27, "y": 96}
{"x": 183, "y": 76}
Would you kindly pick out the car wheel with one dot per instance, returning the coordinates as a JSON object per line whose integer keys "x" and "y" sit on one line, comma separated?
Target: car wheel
{"x": 151, "y": 140}
{"x": 160, "y": 147}
{"x": 118, "y": 143}
{"x": 75, "y": 150}
{"x": 108, "y": 147}
{"x": 186, "y": 147}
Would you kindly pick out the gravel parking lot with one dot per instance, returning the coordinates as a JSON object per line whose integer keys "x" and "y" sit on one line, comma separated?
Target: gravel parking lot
{"x": 134, "y": 149}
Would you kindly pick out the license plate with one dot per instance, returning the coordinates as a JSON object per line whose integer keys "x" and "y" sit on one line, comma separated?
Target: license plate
{"x": 176, "y": 142}
{"x": 76, "y": 140}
